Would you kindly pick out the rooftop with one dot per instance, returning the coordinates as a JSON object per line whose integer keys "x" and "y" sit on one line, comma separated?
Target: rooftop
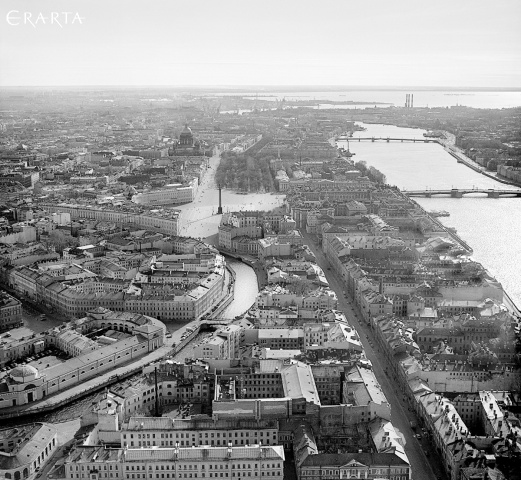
{"x": 28, "y": 441}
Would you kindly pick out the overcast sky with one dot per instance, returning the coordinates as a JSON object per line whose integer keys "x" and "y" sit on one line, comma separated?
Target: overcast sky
{"x": 473, "y": 43}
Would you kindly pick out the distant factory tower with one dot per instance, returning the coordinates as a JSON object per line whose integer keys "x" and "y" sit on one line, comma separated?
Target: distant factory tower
{"x": 220, "y": 208}
{"x": 409, "y": 100}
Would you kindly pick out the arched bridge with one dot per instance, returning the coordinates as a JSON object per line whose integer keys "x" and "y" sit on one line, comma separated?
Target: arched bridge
{"x": 216, "y": 321}
{"x": 459, "y": 192}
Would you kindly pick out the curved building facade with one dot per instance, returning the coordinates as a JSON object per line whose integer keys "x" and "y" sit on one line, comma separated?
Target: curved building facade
{"x": 138, "y": 336}
{"x": 25, "y": 449}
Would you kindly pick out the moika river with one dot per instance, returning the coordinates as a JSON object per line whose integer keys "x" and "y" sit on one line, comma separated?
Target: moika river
{"x": 492, "y": 227}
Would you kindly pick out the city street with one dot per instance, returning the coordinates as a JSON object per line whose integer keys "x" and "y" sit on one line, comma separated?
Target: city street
{"x": 200, "y": 219}
{"x": 32, "y": 313}
{"x": 34, "y": 320}
{"x": 421, "y": 466}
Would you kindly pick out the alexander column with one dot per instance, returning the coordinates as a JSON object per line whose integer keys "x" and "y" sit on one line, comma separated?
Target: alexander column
{"x": 220, "y": 208}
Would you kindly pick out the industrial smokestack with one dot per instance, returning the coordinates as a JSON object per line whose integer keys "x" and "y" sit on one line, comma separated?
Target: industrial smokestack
{"x": 412, "y": 100}
{"x": 406, "y": 100}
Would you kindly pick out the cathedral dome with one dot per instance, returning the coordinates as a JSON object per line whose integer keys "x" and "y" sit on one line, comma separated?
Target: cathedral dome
{"x": 186, "y": 138}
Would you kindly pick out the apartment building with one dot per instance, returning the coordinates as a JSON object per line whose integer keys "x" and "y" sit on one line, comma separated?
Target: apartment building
{"x": 257, "y": 462}
{"x": 26, "y": 449}
{"x": 335, "y": 466}
{"x": 223, "y": 344}
{"x": 10, "y": 312}
{"x": 168, "y": 224}
{"x": 171, "y": 194}
{"x": 168, "y": 432}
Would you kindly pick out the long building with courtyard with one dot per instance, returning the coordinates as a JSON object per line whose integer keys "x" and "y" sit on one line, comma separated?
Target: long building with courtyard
{"x": 120, "y": 338}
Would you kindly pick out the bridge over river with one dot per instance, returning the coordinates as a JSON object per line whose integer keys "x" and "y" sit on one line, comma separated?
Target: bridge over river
{"x": 459, "y": 192}
{"x": 390, "y": 139}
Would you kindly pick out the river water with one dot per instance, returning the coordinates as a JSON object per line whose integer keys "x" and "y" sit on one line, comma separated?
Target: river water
{"x": 396, "y": 97}
{"x": 492, "y": 227}
{"x": 246, "y": 288}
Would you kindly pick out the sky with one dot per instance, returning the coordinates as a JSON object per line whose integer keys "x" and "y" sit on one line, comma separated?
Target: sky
{"x": 459, "y": 43}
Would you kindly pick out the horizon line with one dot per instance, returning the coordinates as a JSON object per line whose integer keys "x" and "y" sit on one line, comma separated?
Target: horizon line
{"x": 250, "y": 87}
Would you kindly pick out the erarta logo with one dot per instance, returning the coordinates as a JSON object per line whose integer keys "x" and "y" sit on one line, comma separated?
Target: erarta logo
{"x": 17, "y": 18}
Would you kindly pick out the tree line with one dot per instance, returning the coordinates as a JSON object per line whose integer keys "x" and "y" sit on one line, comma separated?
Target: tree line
{"x": 370, "y": 172}
{"x": 244, "y": 172}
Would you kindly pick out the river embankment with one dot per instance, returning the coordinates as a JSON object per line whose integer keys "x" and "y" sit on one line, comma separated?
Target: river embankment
{"x": 489, "y": 225}
{"x": 450, "y": 144}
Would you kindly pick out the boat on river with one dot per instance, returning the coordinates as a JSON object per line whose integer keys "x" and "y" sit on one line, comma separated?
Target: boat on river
{"x": 439, "y": 213}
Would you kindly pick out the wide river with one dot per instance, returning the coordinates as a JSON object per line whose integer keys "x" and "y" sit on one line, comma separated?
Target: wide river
{"x": 492, "y": 227}
{"x": 396, "y": 97}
